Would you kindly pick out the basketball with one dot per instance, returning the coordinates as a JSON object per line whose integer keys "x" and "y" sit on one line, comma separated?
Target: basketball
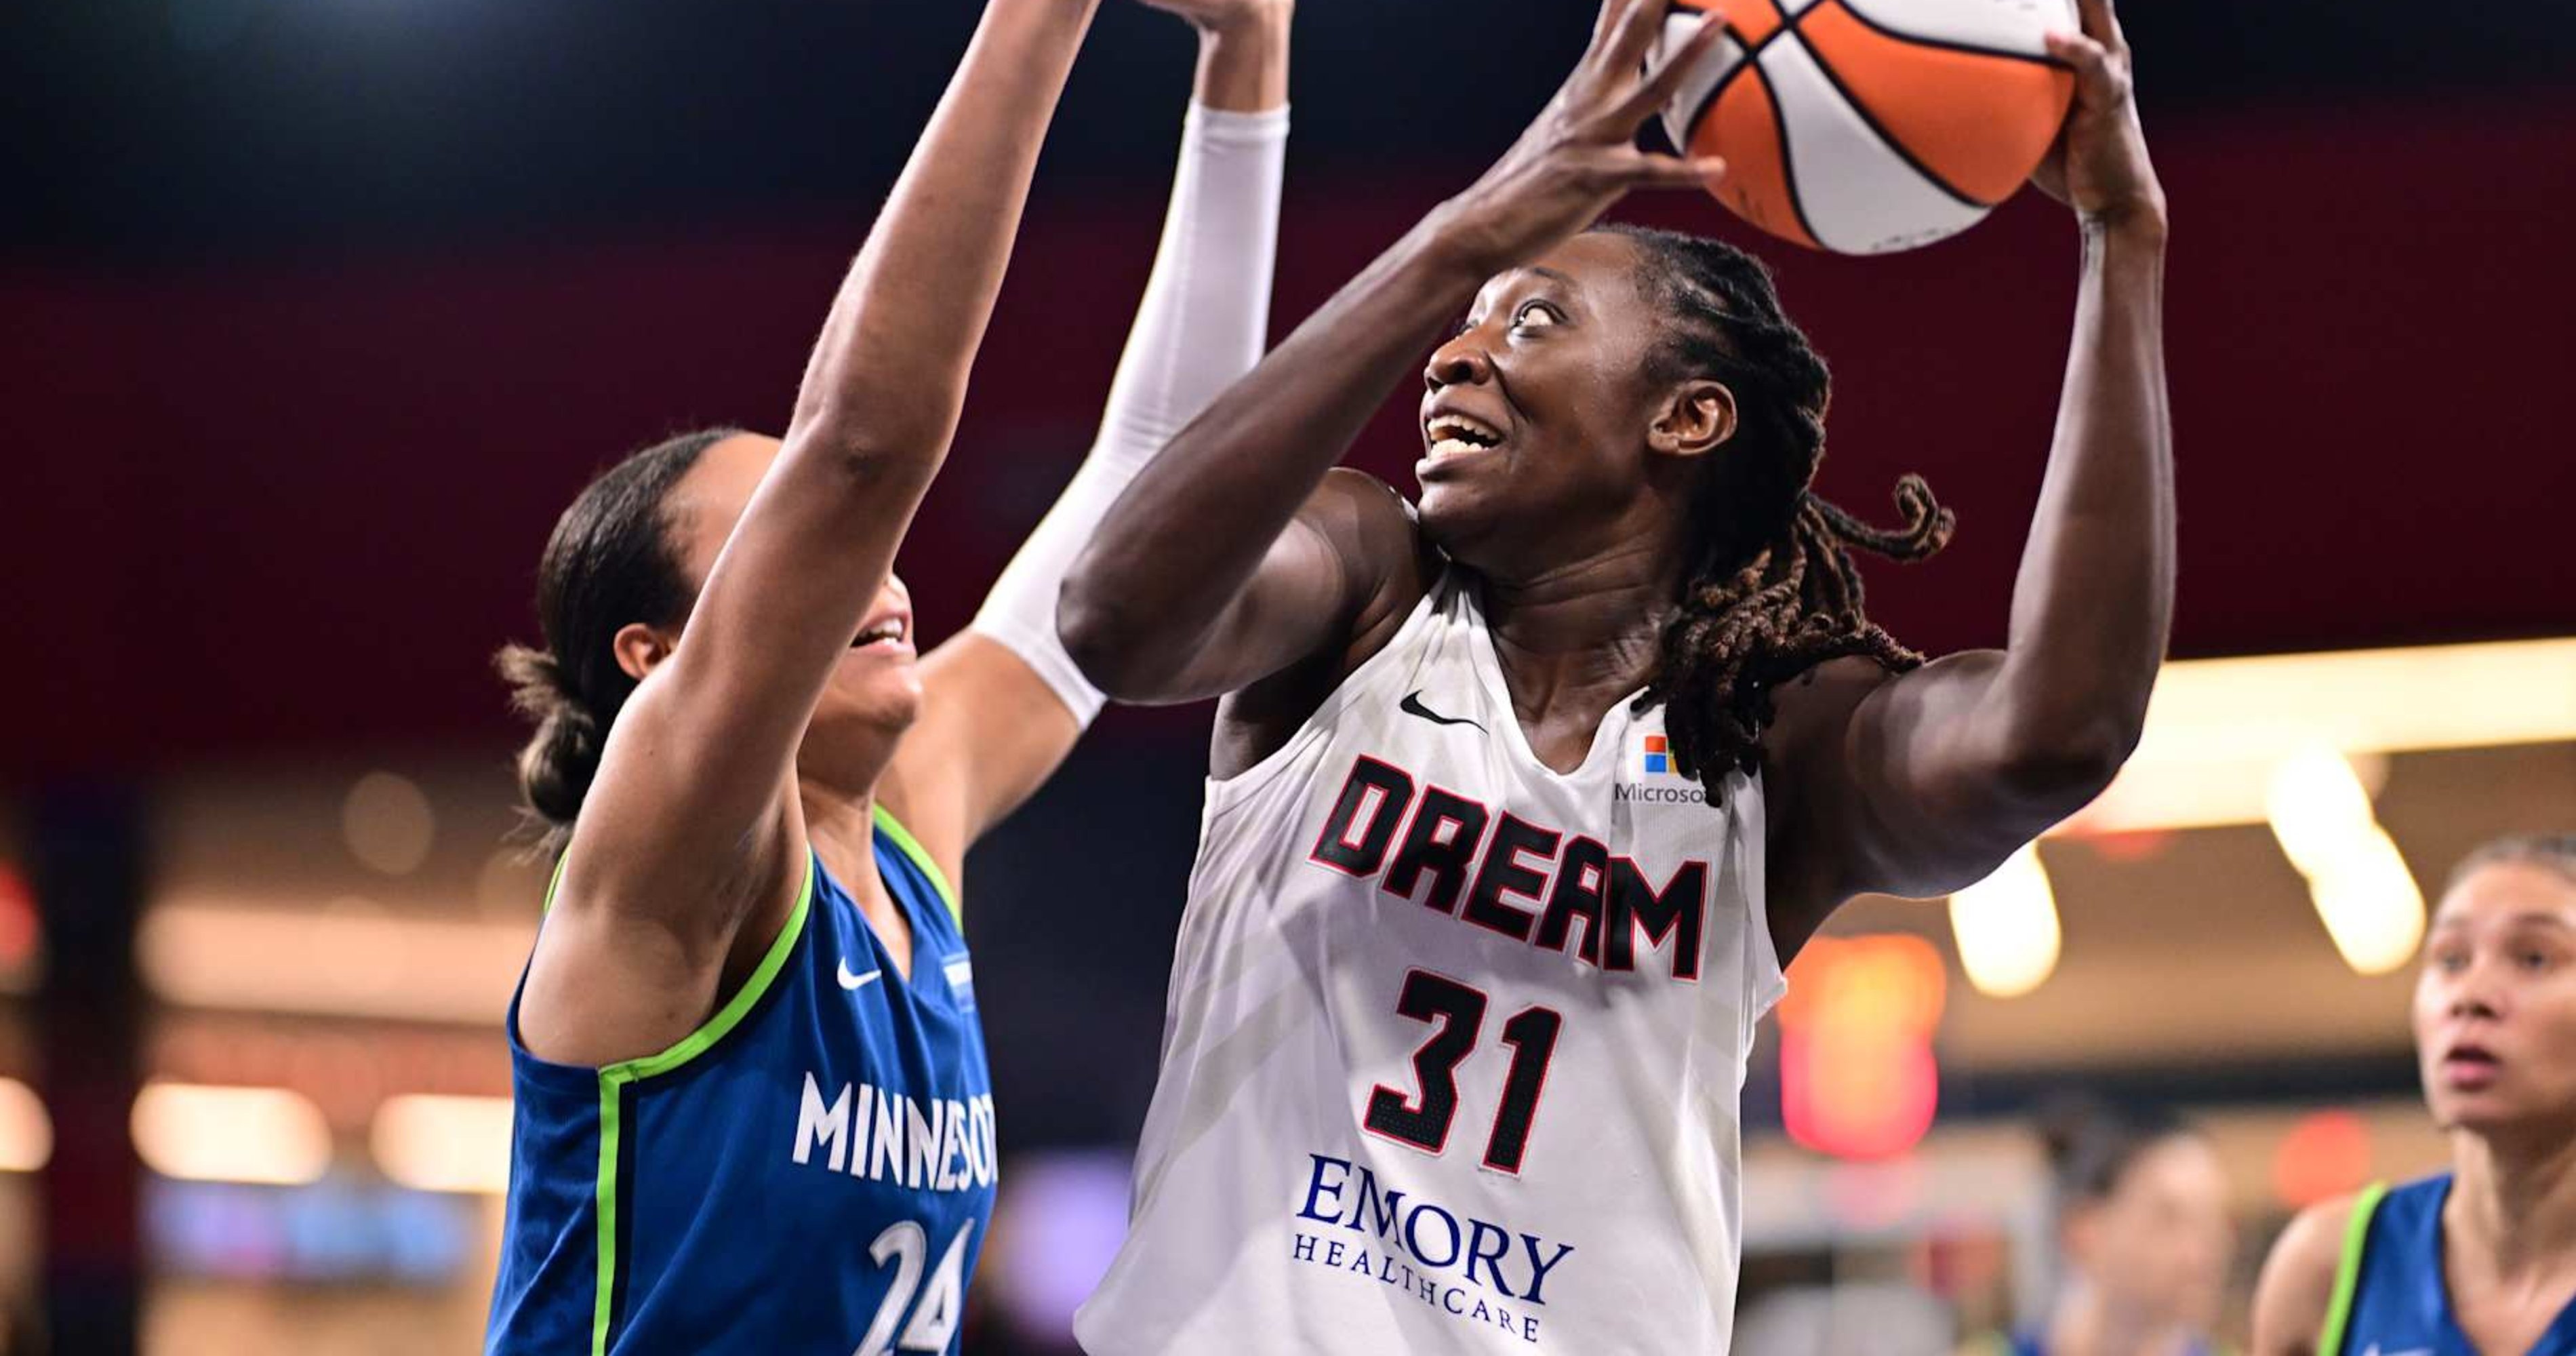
{"x": 1870, "y": 126}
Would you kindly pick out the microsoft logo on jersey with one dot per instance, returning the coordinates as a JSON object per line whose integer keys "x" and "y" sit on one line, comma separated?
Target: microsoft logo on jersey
{"x": 1657, "y": 757}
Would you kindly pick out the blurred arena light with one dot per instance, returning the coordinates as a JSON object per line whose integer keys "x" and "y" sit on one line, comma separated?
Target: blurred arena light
{"x": 388, "y": 823}
{"x": 1058, "y": 1224}
{"x": 20, "y": 927}
{"x": 440, "y": 1143}
{"x": 2326, "y": 1154}
{"x": 1857, "y": 1074}
{"x": 215, "y": 953}
{"x": 26, "y": 1132}
{"x": 2369, "y": 901}
{"x": 2006, "y": 927}
{"x": 2217, "y": 728}
{"x": 198, "y": 1133}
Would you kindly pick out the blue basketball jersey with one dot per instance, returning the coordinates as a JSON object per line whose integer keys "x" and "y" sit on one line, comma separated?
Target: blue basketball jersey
{"x": 2389, "y": 1299}
{"x": 810, "y": 1171}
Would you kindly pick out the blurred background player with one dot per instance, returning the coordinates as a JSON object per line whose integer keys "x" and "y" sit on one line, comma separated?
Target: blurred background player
{"x": 322, "y": 314}
{"x": 2144, "y": 1237}
{"x": 1519, "y": 802}
{"x": 753, "y": 1108}
{"x": 2479, "y": 1260}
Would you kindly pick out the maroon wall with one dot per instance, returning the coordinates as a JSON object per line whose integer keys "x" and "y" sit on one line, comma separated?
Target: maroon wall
{"x": 278, "y": 507}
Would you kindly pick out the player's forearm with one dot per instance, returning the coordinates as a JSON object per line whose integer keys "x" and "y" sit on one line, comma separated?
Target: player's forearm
{"x": 888, "y": 375}
{"x": 2094, "y": 599}
{"x": 1204, "y": 318}
{"x": 1185, "y": 539}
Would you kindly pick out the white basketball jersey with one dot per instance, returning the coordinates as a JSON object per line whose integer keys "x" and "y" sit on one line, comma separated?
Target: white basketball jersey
{"x": 1454, "y": 1044}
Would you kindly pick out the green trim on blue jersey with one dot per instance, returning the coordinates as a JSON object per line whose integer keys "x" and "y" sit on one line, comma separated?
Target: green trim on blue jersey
{"x": 2356, "y": 1241}
{"x": 614, "y": 1079}
{"x": 920, "y": 856}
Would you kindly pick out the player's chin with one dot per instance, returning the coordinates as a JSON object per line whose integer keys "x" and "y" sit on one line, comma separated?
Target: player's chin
{"x": 1457, "y": 511}
{"x": 2487, "y": 1110}
{"x": 877, "y": 685}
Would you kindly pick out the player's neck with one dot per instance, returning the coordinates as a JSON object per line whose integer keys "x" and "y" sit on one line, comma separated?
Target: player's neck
{"x": 842, "y": 828}
{"x": 1584, "y": 635}
{"x": 2086, "y": 1323}
{"x": 2514, "y": 1198}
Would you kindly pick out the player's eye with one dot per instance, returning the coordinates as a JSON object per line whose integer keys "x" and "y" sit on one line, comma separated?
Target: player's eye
{"x": 2450, "y": 962}
{"x": 1535, "y": 315}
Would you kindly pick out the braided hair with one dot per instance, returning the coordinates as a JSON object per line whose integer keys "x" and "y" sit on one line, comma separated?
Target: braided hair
{"x": 1772, "y": 590}
{"x": 609, "y": 562}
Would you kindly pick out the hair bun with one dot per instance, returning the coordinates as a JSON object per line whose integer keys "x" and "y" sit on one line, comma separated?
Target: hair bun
{"x": 556, "y": 767}
{"x": 561, "y": 758}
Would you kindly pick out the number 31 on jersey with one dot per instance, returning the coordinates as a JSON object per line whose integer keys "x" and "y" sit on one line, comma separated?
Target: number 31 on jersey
{"x": 1457, "y": 1012}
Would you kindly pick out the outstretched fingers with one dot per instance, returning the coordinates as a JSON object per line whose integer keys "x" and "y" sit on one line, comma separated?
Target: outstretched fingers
{"x": 1650, "y": 169}
{"x": 2102, "y": 24}
{"x": 1632, "y": 38}
{"x": 1659, "y": 85}
{"x": 2101, "y": 78}
{"x": 1612, "y": 27}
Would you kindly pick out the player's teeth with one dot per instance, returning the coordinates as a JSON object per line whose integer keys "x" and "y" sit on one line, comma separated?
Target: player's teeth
{"x": 1452, "y": 447}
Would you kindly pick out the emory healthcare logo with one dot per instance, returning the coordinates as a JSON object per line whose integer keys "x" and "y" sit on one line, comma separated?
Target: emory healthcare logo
{"x": 1658, "y": 756}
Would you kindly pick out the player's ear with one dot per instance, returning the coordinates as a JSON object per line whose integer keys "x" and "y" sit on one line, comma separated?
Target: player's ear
{"x": 1695, "y": 418}
{"x": 639, "y": 647}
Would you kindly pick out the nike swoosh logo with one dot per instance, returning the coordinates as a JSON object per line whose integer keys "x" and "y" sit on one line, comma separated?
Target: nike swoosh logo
{"x": 1412, "y": 706}
{"x": 851, "y": 981}
{"x": 2410, "y": 1351}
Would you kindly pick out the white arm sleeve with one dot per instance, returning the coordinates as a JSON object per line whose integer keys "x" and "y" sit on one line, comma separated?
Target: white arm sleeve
{"x": 1204, "y": 320}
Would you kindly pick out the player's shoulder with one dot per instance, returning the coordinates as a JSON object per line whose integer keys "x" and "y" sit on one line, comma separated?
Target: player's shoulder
{"x": 2292, "y": 1300}
{"x": 1817, "y": 704}
{"x": 1378, "y": 538}
{"x": 1366, "y": 520}
{"x": 1838, "y": 682}
{"x": 2314, "y": 1239}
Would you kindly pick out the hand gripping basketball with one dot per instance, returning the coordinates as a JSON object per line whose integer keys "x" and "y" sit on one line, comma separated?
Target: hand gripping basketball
{"x": 1581, "y": 153}
{"x": 2099, "y": 164}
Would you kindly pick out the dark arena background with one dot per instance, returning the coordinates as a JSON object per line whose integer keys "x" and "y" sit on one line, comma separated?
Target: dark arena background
{"x": 314, "y": 313}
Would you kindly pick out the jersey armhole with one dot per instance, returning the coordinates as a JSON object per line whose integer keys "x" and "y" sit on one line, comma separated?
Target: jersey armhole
{"x": 1751, "y": 822}
{"x": 554, "y": 882}
{"x": 1433, "y": 600}
{"x": 726, "y": 1017}
{"x": 2356, "y": 1242}
{"x": 616, "y": 1081}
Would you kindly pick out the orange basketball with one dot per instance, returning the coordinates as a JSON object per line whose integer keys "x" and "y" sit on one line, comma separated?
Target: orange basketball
{"x": 1867, "y": 126}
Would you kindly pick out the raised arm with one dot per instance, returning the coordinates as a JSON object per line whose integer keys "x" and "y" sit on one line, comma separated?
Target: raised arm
{"x": 1003, "y": 704}
{"x": 1923, "y": 783}
{"x": 1232, "y": 556}
{"x": 693, "y": 825}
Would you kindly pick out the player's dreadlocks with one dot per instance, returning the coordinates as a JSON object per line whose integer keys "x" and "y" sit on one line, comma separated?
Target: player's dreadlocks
{"x": 1773, "y": 590}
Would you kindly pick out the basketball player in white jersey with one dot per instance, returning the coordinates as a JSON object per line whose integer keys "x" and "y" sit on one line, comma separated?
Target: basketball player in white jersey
{"x": 1520, "y": 797}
